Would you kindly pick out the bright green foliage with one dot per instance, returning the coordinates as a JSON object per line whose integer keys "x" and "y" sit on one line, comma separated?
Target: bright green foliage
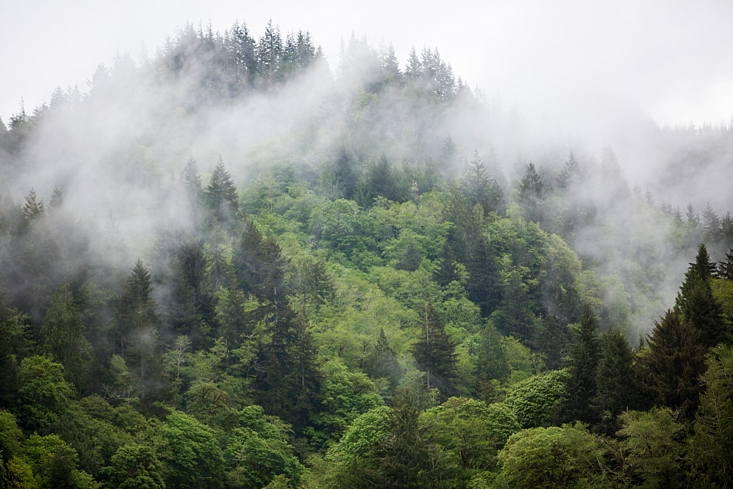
{"x": 470, "y": 431}
{"x": 346, "y": 396}
{"x": 567, "y": 457}
{"x": 535, "y": 401}
{"x": 135, "y": 467}
{"x": 254, "y": 460}
{"x": 712, "y": 443}
{"x": 653, "y": 443}
{"x": 62, "y": 332}
{"x": 10, "y": 436}
{"x": 55, "y": 462}
{"x": 192, "y": 455}
{"x": 354, "y": 462}
{"x": 43, "y": 394}
{"x": 19, "y": 475}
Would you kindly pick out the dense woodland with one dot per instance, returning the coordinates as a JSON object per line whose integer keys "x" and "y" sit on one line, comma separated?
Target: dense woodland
{"x": 364, "y": 300}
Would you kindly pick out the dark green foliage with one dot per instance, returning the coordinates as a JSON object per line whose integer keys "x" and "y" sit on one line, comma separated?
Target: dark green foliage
{"x": 554, "y": 342}
{"x": 697, "y": 303}
{"x": 62, "y": 333}
{"x": 515, "y": 317}
{"x": 617, "y": 389}
{"x": 138, "y": 333}
{"x": 675, "y": 362}
{"x": 725, "y": 268}
{"x": 582, "y": 363}
{"x": 445, "y": 271}
{"x": 712, "y": 443}
{"x": 434, "y": 352}
{"x": 404, "y": 460}
{"x": 484, "y": 285}
{"x": 259, "y": 267}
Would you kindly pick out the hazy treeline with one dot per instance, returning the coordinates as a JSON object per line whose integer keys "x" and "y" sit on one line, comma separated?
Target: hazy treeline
{"x": 229, "y": 267}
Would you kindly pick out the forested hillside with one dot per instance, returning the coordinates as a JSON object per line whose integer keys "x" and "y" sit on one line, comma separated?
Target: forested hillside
{"x": 225, "y": 266}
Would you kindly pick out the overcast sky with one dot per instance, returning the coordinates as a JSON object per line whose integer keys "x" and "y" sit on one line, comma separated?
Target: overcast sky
{"x": 673, "y": 60}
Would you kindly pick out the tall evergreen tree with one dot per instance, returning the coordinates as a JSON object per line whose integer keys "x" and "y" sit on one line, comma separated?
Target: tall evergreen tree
{"x": 583, "y": 364}
{"x": 404, "y": 460}
{"x": 616, "y": 386}
{"x": 382, "y": 361}
{"x": 554, "y": 342}
{"x": 675, "y": 361}
{"x": 62, "y": 333}
{"x": 480, "y": 188}
{"x": 138, "y": 333}
{"x": 571, "y": 173}
{"x": 531, "y": 194}
{"x": 221, "y": 195}
{"x": 491, "y": 361}
{"x": 446, "y": 266}
{"x": 484, "y": 285}
{"x": 434, "y": 352}
{"x": 725, "y": 268}
{"x": 697, "y": 303}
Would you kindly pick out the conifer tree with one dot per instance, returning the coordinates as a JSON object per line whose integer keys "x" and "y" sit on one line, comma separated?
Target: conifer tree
{"x": 346, "y": 173}
{"x": 57, "y": 198}
{"x": 446, "y": 266}
{"x": 554, "y": 342}
{"x": 62, "y": 332}
{"x": 434, "y": 351}
{"x": 479, "y": 188}
{"x": 484, "y": 285}
{"x": 697, "y": 303}
{"x": 221, "y": 195}
{"x": 138, "y": 332}
{"x": 616, "y": 387}
{"x": 725, "y": 268}
{"x": 382, "y": 361}
{"x": 570, "y": 174}
{"x": 583, "y": 363}
{"x": 531, "y": 194}
{"x": 491, "y": 362}
{"x": 192, "y": 181}
{"x": 675, "y": 362}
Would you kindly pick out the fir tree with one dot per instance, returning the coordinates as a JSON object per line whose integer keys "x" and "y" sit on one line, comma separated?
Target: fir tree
{"x": 484, "y": 283}
{"x": 491, "y": 362}
{"x": 382, "y": 361}
{"x": 675, "y": 362}
{"x": 434, "y": 351}
{"x": 531, "y": 194}
{"x": 62, "y": 332}
{"x": 57, "y": 198}
{"x": 570, "y": 174}
{"x": 405, "y": 460}
{"x": 616, "y": 389}
{"x": 554, "y": 342}
{"x": 725, "y": 268}
{"x": 192, "y": 181}
{"x": 697, "y": 303}
{"x": 221, "y": 195}
{"x": 479, "y": 188}
{"x": 583, "y": 363}
{"x": 446, "y": 270}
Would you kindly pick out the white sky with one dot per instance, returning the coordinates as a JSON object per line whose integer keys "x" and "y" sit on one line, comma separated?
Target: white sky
{"x": 572, "y": 59}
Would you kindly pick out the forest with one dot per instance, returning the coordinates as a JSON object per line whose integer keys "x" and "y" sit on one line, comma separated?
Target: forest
{"x": 226, "y": 265}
